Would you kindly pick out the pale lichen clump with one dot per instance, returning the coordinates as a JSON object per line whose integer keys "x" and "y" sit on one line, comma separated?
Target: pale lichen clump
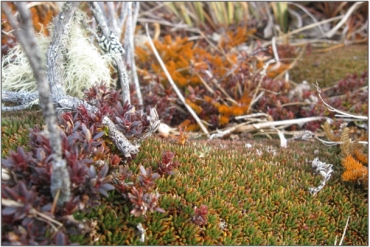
{"x": 85, "y": 65}
{"x": 17, "y": 74}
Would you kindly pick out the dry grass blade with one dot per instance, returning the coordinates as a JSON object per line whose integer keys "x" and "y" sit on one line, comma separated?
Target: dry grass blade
{"x": 181, "y": 97}
{"x": 198, "y": 6}
{"x": 344, "y": 232}
{"x": 276, "y": 125}
{"x": 313, "y": 25}
{"x": 345, "y": 18}
{"x": 309, "y": 14}
{"x": 230, "y": 12}
{"x": 343, "y": 114}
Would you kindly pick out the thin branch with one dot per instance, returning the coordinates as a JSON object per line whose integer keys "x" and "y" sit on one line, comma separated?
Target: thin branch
{"x": 22, "y": 98}
{"x": 343, "y": 20}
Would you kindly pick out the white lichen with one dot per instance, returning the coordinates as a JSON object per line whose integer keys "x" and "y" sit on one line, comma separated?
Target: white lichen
{"x": 84, "y": 66}
{"x": 325, "y": 170}
{"x": 17, "y": 74}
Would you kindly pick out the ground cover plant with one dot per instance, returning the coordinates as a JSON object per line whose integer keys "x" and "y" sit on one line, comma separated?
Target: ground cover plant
{"x": 218, "y": 168}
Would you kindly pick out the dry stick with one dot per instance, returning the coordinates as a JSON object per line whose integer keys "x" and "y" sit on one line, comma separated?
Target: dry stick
{"x": 246, "y": 127}
{"x": 204, "y": 83}
{"x": 121, "y": 68}
{"x": 60, "y": 176}
{"x": 33, "y": 212}
{"x": 309, "y": 14}
{"x": 181, "y": 97}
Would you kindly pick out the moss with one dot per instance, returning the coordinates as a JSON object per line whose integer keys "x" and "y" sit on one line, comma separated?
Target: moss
{"x": 329, "y": 67}
{"x": 262, "y": 201}
{"x": 262, "y": 198}
{"x": 15, "y": 128}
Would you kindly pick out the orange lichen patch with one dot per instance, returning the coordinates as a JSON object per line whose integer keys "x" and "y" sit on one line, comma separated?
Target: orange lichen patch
{"x": 224, "y": 109}
{"x": 209, "y": 99}
{"x": 355, "y": 171}
{"x": 141, "y": 54}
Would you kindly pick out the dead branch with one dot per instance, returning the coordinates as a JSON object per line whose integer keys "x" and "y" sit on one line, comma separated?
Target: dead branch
{"x": 25, "y": 35}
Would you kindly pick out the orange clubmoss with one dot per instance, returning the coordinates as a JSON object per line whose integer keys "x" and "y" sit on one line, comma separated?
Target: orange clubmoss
{"x": 177, "y": 55}
{"x": 183, "y": 135}
{"x": 234, "y": 38}
{"x": 355, "y": 171}
{"x": 196, "y": 65}
{"x": 193, "y": 127}
{"x": 360, "y": 156}
{"x": 274, "y": 69}
{"x": 194, "y": 106}
{"x": 223, "y": 120}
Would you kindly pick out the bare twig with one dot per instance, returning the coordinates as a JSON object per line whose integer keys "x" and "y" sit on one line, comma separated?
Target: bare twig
{"x": 112, "y": 21}
{"x": 262, "y": 74}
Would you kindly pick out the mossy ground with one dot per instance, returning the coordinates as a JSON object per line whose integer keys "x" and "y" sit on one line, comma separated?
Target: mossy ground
{"x": 329, "y": 67}
{"x": 261, "y": 193}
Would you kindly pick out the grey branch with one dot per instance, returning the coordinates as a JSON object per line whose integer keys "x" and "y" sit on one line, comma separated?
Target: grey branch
{"x": 120, "y": 66}
{"x": 55, "y": 58}
{"x": 19, "y": 97}
{"x": 26, "y": 37}
{"x": 129, "y": 44}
